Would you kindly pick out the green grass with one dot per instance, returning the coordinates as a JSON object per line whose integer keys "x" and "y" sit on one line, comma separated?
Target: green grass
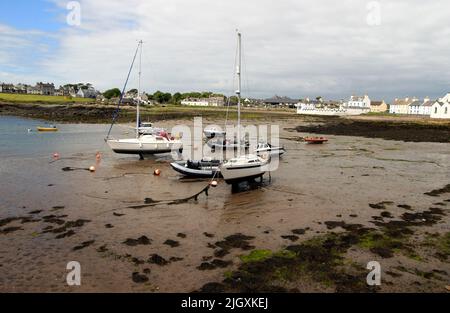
{"x": 39, "y": 99}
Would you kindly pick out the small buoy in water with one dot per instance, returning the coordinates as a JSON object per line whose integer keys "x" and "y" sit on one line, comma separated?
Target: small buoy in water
{"x": 213, "y": 183}
{"x": 92, "y": 169}
{"x": 157, "y": 172}
{"x": 56, "y": 155}
{"x": 98, "y": 156}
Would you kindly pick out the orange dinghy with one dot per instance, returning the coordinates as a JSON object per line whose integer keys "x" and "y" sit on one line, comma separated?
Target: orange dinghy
{"x": 315, "y": 140}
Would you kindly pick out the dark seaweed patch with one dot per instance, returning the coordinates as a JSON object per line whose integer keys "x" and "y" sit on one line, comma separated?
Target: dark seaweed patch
{"x": 157, "y": 259}
{"x": 143, "y": 240}
{"x": 298, "y": 231}
{"x": 216, "y": 263}
{"x": 139, "y": 278}
{"x": 290, "y": 237}
{"x": 11, "y": 229}
{"x": 66, "y": 234}
{"x": 438, "y": 192}
{"x": 171, "y": 243}
{"x": 83, "y": 245}
{"x": 238, "y": 241}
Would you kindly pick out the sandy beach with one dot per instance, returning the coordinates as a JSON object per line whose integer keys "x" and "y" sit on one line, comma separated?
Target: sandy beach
{"x": 362, "y": 199}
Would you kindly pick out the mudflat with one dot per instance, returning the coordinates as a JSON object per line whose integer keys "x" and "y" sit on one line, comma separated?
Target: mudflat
{"x": 312, "y": 226}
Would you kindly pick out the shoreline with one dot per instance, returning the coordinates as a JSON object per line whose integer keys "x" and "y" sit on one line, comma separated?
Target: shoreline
{"x": 400, "y": 128}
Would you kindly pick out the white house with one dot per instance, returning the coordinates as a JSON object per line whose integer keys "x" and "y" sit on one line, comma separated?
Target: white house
{"x": 195, "y": 102}
{"x": 211, "y": 101}
{"x": 87, "y": 93}
{"x": 360, "y": 102}
{"x": 440, "y": 110}
{"x": 401, "y": 106}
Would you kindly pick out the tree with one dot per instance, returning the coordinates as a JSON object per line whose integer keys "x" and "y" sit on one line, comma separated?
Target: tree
{"x": 112, "y": 93}
{"x": 162, "y": 97}
{"x": 135, "y": 91}
{"x": 177, "y": 97}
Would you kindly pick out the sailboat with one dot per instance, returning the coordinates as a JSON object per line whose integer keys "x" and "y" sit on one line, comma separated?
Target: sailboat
{"x": 248, "y": 166}
{"x": 146, "y": 141}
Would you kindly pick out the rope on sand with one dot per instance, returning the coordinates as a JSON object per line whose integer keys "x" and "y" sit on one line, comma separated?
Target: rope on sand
{"x": 150, "y": 202}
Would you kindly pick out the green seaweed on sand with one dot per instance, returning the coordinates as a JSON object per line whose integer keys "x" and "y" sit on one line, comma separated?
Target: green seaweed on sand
{"x": 256, "y": 256}
{"x": 440, "y": 243}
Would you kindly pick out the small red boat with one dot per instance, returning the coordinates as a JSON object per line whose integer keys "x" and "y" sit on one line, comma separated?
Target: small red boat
{"x": 315, "y": 140}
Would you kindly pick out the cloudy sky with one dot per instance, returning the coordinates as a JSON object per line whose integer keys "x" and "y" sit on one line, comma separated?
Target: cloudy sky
{"x": 294, "y": 48}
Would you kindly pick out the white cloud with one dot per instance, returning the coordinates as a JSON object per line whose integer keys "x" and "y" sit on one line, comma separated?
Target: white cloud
{"x": 297, "y": 48}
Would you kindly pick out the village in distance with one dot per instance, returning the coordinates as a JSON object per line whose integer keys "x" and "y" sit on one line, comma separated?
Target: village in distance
{"x": 354, "y": 105}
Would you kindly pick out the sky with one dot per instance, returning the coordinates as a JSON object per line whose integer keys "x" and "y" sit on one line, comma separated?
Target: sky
{"x": 386, "y": 49}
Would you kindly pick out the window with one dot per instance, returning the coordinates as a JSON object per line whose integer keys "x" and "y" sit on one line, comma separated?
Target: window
{"x": 446, "y": 110}
{"x": 435, "y": 110}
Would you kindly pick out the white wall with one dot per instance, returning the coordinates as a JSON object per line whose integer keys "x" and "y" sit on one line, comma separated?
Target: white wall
{"x": 440, "y": 111}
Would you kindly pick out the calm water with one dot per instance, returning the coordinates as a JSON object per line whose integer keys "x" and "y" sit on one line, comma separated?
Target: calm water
{"x": 16, "y": 141}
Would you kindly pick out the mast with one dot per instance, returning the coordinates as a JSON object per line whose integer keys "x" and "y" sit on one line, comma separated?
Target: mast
{"x": 238, "y": 92}
{"x": 138, "y": 113}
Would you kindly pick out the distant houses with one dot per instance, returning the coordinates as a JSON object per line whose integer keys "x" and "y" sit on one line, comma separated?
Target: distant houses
{"x": 278, "y": 101}
{"x": 378, "y": 106}
{"x": 48, "y": 89}
{"x": 210, "y": 101}
{"x": 401, "y": 105}
{"x": 359, "y": 102}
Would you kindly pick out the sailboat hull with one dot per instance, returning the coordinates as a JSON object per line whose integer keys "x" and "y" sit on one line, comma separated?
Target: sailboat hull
{"x": 236, "y": 174}
{"x": 139, "y": 147}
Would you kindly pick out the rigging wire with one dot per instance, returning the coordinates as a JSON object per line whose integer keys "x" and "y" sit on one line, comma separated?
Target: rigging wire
{"x": 117, "y": 111}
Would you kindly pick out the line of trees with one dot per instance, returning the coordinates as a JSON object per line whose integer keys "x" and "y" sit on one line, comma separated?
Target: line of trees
{"x": 164, "y": 97}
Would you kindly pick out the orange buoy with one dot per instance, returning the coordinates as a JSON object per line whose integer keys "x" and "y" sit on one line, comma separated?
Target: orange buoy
{"x": 56, "y": 155}
{"x": 92, "y": 169}
{"x": 98, "y": 156}
{"x": 157, "y": 172}
{"x": 213, "y": 183}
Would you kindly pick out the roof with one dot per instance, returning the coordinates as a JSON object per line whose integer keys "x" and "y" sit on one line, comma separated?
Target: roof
{"x": 428, "y": 103}
{"x": 416, "y": 103}
{"x": 376, "y": 103}
{"x": 440, "y": 103}
{"x": 404, "y": 101}
{"x": 278, "y": 99}
{"x": 357, "y": 98}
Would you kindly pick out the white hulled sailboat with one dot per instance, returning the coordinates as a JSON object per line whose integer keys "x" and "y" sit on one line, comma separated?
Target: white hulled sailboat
{"x": 247, "y": 166}
{"x": 146, "y": 141}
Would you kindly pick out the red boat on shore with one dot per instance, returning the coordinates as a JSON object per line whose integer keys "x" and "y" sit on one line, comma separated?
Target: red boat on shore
{"x": 315, "y": 140}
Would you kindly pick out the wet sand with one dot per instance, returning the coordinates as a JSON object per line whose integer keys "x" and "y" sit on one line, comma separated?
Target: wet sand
{"x": 61, "y": 216}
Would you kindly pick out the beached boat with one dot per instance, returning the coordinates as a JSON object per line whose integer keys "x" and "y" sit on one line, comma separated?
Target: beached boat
{"x": 146, "y": 144}
{"x": 249, "y": 166}
{"x": 147, "y": 128}
{"x": 202, "y": 169}
{"x": 47, "y": 129}
{"x": 148, "y": 140}
{"x": 212, "y": 132}
{"x": 265, "y": 148}
{"x": 315, "y": 140}
{"x": 243, "y": 168}
{"x": 225, "y": 144}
